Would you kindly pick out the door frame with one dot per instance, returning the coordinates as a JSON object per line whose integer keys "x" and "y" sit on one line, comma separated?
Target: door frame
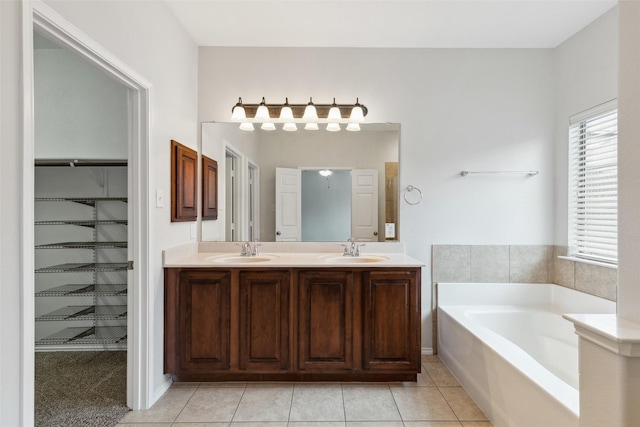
{"x": 37, "y": 15}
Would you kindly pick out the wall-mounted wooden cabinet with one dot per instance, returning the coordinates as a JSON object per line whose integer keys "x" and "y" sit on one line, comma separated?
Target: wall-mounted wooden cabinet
{"x": 209, "y": 188}
{"x": 345, "y": 324}
{"x": 184, "y": 183}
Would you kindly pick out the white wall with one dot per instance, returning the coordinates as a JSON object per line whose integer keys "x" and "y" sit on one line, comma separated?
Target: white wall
{"x": 586, "y": 68}
{"x": 459, "y": 109}
{"x": 80, "y": 113}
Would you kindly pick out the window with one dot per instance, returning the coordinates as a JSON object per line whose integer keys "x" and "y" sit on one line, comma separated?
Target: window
{"x": 593, "y": 184}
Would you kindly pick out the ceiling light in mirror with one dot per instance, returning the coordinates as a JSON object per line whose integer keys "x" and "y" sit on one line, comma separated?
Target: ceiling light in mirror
{"x": 311, "y": 126}
{"x": 333, "y": 127}
{"x": 353, "y": 127}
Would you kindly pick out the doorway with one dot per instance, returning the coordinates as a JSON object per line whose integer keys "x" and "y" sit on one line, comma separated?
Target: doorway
{"x": 39, "y": 17}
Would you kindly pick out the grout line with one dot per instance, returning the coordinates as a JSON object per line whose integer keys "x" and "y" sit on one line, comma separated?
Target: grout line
{"x": 186, "y": 403}
{"x": 293, "y": 392}
{"x": 344, "y": 407}
{"x": 238, "y": 405}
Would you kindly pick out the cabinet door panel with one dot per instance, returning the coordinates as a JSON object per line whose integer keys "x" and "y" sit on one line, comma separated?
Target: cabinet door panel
{"x": 264, "y": 320}
{"x": 204, "y": 320}
{"x": 391, "y": 323}
{"x": 325, "y": 320}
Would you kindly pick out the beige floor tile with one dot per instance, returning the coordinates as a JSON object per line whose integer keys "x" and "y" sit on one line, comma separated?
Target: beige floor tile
{"x": 199, "y": 425}
{"x": 432, "y": 424}
{"x": 422, "y": 404}
{"x": 375, "y": 424}
{"x": 430, "y": 358}
{"x": 211, "y": 404}
{"x": 322, "y": 402}
{"x": 369, "y": 403}
{"x": 477, "y": 424}
{"x": 440, "y": 374}
{"x": 316, "y": 424}
{"x": 463, "y": 406}
{"x": 223, "y": 384}
{"x": 166, "y": 408}
{"x": 265, "y": 403}
{"x": 423, "y": 380}
{"x": 255, "y": 424}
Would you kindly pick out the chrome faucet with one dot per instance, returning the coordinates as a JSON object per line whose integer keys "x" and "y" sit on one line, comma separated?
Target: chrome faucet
{"x": 248, "y": 250}
{"x": 351, "y": 248}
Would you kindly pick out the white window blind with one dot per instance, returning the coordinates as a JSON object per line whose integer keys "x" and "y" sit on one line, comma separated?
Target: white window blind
{"x": 593, "y": 184}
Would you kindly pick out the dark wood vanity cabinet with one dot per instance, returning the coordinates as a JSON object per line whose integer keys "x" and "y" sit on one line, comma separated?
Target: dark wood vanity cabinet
{"x": 198, "y": 338}
{"x": 325, "y": 320}
{"x": 290, "y": 324}
{"x": 263, "y": 321}
{"x": 391, "y": 320}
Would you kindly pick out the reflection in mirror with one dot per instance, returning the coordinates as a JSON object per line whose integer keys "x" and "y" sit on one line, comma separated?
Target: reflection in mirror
{"x": 250, "y": 202}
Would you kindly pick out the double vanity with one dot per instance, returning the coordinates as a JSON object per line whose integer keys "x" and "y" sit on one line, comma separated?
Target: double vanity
{"x": 291, "y": 312}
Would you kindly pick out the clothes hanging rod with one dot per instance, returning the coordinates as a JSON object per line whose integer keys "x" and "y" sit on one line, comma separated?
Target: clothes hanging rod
{"x": 75, "y": 162}
{"x": 530, "y": 173}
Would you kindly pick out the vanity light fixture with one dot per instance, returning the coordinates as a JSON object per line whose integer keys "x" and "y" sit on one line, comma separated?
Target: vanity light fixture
{"x": 289, "y": 115}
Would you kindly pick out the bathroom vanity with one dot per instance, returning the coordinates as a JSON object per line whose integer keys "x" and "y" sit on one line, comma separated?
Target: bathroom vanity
{"x": 295, "y": 312}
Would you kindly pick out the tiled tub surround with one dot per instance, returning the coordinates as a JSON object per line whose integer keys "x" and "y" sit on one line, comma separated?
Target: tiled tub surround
{"x": 520, "y": 264}
{"x": 500, "y": 337}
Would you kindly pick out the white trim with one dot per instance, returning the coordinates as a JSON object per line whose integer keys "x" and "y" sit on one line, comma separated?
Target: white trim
{"x": 140, "y": 341}
{"x": 426, "y": 351}
{"x": 588, "y": 261}
{"x": 594, "y": 111}
{"x": 27, "y": 239}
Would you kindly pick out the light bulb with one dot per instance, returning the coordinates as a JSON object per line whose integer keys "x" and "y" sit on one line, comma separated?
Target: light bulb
{"x": 286, "y": 113}
{"x": 262, "y": 114}
{"x": 357, "y": 114}
{"x": 268, "y": 126}
{"x": 290, "y": 127}
{"x": 334, "y": 113}
{"x": 310, "y": 112}
{"x": 237, "y": 113}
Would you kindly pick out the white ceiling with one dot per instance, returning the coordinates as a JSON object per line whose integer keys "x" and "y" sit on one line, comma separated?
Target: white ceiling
{"x": 390, "y": 23}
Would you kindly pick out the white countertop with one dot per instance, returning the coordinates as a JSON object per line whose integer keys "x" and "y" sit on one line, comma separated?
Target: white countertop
{"x": 285, "y": 254}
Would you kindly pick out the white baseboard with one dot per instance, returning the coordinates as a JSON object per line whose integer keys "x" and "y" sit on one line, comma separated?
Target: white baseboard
{"x": 427, "y": 350}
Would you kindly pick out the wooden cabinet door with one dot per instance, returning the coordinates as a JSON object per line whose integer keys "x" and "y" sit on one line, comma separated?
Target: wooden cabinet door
{"x": 184, "y": 183}
{"x": 203, "y": 319}
{"x": 325, "y": 320}
{"x": 264, "y": 320}
{"x": 391, "y": 320}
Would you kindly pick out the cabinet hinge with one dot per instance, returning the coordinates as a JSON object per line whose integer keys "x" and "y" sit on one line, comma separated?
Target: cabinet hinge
{"x": 129, "y": 265}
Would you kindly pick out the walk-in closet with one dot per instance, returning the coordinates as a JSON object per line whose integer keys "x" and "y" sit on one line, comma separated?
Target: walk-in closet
{"x": 81, "y": 239}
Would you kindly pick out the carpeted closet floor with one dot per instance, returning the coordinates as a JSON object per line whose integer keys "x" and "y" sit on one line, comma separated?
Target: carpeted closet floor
{"x": 80, "y": 388}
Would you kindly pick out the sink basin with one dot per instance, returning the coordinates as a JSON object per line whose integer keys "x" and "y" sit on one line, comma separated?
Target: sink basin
{"x": 363, "y": 259}
{"x": 238, "y": 259}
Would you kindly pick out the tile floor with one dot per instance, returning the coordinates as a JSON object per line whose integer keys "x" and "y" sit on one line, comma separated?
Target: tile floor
{"x": 435, "y": 400}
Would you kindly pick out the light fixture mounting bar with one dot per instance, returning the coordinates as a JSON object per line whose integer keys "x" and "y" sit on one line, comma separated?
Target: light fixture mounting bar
{"x": 298, "y": 109}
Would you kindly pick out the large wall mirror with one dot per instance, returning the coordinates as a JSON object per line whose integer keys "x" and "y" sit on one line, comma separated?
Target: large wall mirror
{"x": 304, "y": 185}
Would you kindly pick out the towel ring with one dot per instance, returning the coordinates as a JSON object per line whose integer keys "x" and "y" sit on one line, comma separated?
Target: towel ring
{"x": 410, "y": 189}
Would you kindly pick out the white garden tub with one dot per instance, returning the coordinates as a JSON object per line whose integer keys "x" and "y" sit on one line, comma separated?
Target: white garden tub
{"x": 510, "y": 348}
